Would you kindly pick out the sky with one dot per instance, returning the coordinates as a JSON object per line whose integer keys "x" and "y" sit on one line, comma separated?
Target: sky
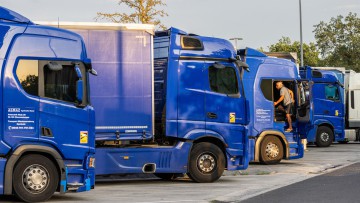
{"x": 259, "y": 22}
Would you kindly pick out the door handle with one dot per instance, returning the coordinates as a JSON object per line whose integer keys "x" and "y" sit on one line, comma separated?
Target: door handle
{"x": 326, "y": 112}
{"x": 46, "y": 132}
{"x": 211, "y": 115}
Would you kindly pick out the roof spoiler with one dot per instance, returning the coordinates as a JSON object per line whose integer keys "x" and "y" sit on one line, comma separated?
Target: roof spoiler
{"x": 9, "y": 15}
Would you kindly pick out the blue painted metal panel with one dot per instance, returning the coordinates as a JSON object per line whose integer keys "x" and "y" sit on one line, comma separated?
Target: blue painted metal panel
{"x": 131, "y": 160}
{"x": 122, "y": 92}
{"x": 2, "y": 174}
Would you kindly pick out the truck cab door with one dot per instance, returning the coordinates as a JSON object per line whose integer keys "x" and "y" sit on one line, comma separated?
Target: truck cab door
{"x": 304, "y": 111}
{"x": 64, "y": 116}
{"x": 335, "y": 109}
{"x": 225, "y": 103}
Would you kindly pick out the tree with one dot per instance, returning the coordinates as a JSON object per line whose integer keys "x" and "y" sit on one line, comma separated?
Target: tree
{"x": 144, "y": 11}
{"x": 311, "y": 55}
{"x": 30, "y": 84}
{"x": 339, "y": 41}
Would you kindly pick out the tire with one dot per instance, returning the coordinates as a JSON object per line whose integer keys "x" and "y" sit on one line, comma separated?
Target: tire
{"x": 271, "y": 150}
{"x": 207, "y": 163}
{"x": 324, "y": 136}
{"x": 35, "y": 171}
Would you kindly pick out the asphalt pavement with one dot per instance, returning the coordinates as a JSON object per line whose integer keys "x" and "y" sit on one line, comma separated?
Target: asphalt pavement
{"x": 338, "y": 186}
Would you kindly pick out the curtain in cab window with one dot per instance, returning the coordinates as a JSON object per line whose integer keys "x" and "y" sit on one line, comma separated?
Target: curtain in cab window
{"x": 60, "y": 84}
{"x": 331, "y": 92}
{"x": 223, "y": 80}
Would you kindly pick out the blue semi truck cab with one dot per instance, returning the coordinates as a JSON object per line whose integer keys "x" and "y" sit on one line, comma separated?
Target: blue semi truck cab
{"x": 326, "y": 90}
{"x": 47, "y": 133}
{"x": 166, "y": 103}
{"x": 267, "y": 136}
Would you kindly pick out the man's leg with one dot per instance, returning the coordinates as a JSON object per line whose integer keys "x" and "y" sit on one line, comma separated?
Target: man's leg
{"x": 288, "y": 116}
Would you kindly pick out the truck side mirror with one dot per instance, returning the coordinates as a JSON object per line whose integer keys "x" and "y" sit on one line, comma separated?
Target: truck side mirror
{"x": 79, "y": 84}
{"x": 79, "y": 91}
{"x": 239, "y": 64}
{"x": 93, "y": 72}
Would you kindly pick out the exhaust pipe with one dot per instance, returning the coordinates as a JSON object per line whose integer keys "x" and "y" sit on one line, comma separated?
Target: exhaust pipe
{"x": 149, "y": 168}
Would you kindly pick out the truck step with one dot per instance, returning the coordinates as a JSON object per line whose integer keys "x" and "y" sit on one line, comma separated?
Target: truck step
{"x": 293, "y": 145}
{"x": 74, "y": 186}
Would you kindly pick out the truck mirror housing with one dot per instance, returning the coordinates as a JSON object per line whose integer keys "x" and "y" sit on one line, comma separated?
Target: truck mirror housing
{"x": 93, "y": 72}
{"x": 79, "y": 91}
{"x": 239, "y": 64}
{"x": 79, "y": 84}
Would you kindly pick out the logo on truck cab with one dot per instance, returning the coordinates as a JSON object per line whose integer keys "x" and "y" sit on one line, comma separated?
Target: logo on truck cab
{"x": 84, "y": 137}
{"x": 232, "y": 118}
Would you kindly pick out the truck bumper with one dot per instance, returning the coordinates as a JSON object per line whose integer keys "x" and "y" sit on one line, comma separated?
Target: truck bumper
{"x": 236, "y": 159}
{"x": 296, "y": 151}
{"x": 79, "y": 177}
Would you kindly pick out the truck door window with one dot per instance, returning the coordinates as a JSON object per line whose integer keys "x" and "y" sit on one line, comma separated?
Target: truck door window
{"x": 223, "y": 80}
{"x": 60, "y": 84}
{"x": 331, "y": 92}
{"x": 266, "y": 88}
{"x": 37, "y": 79}
{"x": 28, "y": 74}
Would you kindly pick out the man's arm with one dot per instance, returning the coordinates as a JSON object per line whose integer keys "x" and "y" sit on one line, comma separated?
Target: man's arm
{"x": 292, "y": 95}
{"x": 280, "y": 100}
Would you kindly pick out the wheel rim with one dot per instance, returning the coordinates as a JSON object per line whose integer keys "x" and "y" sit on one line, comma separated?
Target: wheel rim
{"x": 325, "y": 137}
{"x": 206, "y": 162}
{"x": 35, "y": 179}
{"x": 272, "y": 150}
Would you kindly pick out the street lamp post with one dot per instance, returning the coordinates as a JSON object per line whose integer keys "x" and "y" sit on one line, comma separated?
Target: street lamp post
{"x": 301, "y": 38}
{"x": 236, "y": 39}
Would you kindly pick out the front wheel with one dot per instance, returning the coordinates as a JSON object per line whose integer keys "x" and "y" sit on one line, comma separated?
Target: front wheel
{"x": 324, "y": 136}
{"x": 35, "y": 178}
{"x": 271, "y": 150}
{"x": 207, "y": 163}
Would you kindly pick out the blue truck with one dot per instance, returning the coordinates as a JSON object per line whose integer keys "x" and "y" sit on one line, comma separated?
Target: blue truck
{"x": 335, "y": 117}
{"x": 267, "y": 134}
{"x": 168, "y": 103}
{"x": 47, "y": 139}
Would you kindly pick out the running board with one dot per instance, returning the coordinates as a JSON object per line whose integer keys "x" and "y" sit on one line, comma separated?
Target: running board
{"x": 74, "y": 186}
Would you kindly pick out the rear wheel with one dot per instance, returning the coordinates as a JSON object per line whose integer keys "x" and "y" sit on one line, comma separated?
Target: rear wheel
{"x": 271, "y": 150}
{"x": 324, "y": 136}
{"x": 35, "y": 178}
{"x": 207, "y": 163}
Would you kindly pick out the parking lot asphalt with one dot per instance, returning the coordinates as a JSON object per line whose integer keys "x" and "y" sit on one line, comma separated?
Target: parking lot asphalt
{"x": 232, "y": 187}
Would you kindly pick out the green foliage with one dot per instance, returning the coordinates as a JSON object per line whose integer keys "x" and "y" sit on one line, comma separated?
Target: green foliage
{"x": 30, "y": 84}
{"x": 311, "y": 55}
{"x": 339, "y": 41}
{"x": 144, "y": 11}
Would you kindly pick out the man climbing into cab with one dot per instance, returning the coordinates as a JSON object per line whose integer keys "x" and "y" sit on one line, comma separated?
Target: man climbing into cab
{"x": 287, "y": 98}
